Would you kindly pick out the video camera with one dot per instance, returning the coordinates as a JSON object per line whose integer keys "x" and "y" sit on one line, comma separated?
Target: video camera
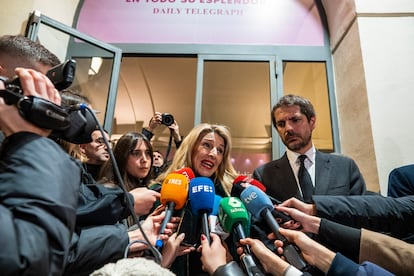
{"x": 62, "y": 76}
{"x": 67, "y": 123}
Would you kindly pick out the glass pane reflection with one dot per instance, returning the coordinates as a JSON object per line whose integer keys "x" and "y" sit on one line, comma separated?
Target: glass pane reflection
{"x": 237, "y": 94}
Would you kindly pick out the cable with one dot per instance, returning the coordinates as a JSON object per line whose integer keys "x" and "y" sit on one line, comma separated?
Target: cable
{"x": 154, "y": 251}
{"x": 129, "y": 245}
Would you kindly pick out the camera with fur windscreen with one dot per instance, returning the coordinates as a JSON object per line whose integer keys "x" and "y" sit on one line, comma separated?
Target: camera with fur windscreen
{"x": 167, "y": 119}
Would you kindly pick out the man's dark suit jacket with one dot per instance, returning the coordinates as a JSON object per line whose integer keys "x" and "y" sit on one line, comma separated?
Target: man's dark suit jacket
{"x": 401, "y": 181}
{"x": 334, "y": 175}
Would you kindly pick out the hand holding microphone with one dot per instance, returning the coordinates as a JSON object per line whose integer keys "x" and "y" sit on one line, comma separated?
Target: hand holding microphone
{"x": 174, "y": 193}
{"x": 260, "y": 206}
{"x": 202, "y": 195}
{"x": 241, "y": 182}
{"x": 234, "y": 218}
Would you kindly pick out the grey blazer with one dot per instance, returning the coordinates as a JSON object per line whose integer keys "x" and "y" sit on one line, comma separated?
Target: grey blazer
{"x": 334, "y": 175}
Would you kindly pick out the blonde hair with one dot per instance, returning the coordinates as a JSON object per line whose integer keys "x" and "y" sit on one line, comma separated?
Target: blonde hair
{"x": 225, "y": 173}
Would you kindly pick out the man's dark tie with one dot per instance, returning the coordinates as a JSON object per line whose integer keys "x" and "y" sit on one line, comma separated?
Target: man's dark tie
{"x": 305, "y": 180}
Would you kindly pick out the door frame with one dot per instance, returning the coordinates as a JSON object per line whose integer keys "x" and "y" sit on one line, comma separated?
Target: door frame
{"x": 36, "y": 19}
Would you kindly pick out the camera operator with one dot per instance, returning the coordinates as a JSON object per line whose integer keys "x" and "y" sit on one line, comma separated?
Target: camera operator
{"x": 169, "y": 121}
{"x": 39, "y": 185}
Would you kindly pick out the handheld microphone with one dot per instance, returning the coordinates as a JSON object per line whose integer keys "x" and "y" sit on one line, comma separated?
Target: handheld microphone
{"x": 260, "y": 206}
{"x": 174, "y": 193}
{"x": 241, "y": 182}
{"x": 201, "y": 195}
{"x": 234, "y": 218}
{"x": 187, "y": 172}
{"x": 216, "y": 205}
{"x": 214, "y": 222}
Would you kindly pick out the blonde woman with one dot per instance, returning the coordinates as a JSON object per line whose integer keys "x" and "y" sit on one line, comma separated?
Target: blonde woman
{"x": 206, "y": 150}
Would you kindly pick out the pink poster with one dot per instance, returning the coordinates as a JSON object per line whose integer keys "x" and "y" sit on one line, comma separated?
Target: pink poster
{"x": 235, "y": 22}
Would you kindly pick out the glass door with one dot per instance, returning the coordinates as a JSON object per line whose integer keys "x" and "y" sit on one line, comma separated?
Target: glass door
{"x": 237, "y": 92}
{"x": 98, "y": 63}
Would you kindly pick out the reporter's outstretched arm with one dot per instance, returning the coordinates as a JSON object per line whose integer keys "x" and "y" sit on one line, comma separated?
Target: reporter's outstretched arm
{"x": 310, "y": 224}
{"x": 172, "y": 248}
{"x": 151, "y": 226}
{"x": 271, "y": 263}
{"x": 326, "y": 260}
{"x": 307, "y": 208}
{"x": 313, "y": 252}
{"x": 214, "y": 258}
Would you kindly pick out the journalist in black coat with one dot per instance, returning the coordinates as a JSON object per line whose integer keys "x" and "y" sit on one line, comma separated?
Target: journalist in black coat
{"x": 332, "y": 174}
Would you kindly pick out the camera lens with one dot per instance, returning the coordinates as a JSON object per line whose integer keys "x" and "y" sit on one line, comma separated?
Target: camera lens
{"x": 167, "y": 119}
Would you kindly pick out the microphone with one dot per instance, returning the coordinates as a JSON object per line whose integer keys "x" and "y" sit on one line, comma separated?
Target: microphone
{"x": 260, "y": 206}
{"x": 174, "y": 193}
{"x": 214, "y": 222}
{"x": 201, "y": 195}
{"x": 234, "y": 218}
{"x": 187, "y": 172}
{"x": 241, "y": 182}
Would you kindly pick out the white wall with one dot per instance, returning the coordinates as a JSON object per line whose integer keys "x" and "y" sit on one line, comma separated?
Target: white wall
{"x": 14, "y": 13}
{"x": 387, "y": 42}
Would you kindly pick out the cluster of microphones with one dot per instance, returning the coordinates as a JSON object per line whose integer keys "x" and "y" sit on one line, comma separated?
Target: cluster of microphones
{"x": 248, "y": 199}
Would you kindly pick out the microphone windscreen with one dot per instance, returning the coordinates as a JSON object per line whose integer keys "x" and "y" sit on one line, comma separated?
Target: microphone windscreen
{"x": 201, "y": 195}
{"x": 217, "y": 199}
{"x": 232, "y": 211}
{"x": 255, "y": 200}
{"x": 240, "y": 178}
{"x": 259, "y": 185}
{"x": 174, "y": 189}
{"x": 241, "y": 182}
{"x": 187, "y": 172}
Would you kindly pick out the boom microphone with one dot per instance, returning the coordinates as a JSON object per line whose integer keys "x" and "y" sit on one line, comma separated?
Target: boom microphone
{"x": 260, "y": 206}
{"x": 174, "y": 193}
{"x": 234, "y": 218}
{"x": 201, "y": 195}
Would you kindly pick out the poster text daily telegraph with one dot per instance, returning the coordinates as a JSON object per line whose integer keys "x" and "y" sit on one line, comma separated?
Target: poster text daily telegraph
{"x": 198, "y": 11}
{"x": 226, "y": 2}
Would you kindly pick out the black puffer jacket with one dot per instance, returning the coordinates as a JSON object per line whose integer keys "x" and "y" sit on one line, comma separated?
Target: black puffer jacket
{"x": 394, "y": 216}
{"x": 39, "y": 187}
{"x": 99, "y": 238}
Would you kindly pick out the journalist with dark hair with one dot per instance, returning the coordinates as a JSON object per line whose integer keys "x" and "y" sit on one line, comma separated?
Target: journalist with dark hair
{"x": 38, "y": 205}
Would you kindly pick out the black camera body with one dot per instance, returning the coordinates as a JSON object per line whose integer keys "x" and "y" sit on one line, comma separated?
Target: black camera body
{"x": 167, "y": 119}
{"x": 39, "y": 111}
{"x": 62, "y": 76}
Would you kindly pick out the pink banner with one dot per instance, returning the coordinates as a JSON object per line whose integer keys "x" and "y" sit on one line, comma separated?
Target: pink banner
{"x": 236, "y": 22}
